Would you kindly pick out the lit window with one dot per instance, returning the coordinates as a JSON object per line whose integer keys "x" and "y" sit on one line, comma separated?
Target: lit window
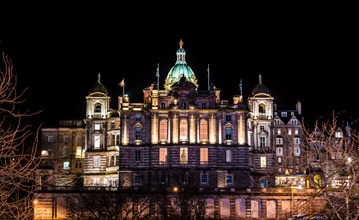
{"x": 284, "y": 114}
{"x": 296, "y": 132}
{"x": 97, "y": 127}
{"x": 183, "y": 130}
{"x": 228, "y": 156}
{"x": 66, "y": 165}
{"x": 78, "y": 151}
{"x": 289, "y": 131}
{"x": 229, "y": 179}
{"x": 203, "y": 130}
{"x": 279, "y": 132}
{"x": 263, "y": 162}
{"x": 204, "y": 155}
{"x": 97, "y": 141}
{"x": 163, "y": 155}
{"x": 183, "y": 155}
{"x": 279, "y": 159}
{"x": 163, "y": 130}
{"x": 297, "y": 151}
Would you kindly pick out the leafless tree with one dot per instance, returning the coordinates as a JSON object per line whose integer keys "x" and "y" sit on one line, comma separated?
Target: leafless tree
{"x": 18, "y": 143}
{"x": 333, "y": 157}
{"x": 106, "y": 204}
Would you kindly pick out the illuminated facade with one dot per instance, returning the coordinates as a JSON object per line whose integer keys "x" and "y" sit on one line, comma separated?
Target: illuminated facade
{"x": 184, "y": 138}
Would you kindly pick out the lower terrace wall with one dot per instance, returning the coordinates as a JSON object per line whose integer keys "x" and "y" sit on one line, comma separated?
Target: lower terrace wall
{"x": 255, "y": 204}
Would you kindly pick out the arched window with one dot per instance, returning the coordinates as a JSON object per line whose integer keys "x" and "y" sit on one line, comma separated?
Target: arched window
{"x": 203, "y": 130}
{"x": 98, "y": 108}
{"x": 163, "y": 130}
{"x": 183, "y": 130}
{"x": 262, "y": 108}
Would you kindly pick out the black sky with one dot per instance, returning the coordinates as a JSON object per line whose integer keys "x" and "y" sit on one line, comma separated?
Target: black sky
{"x": 304, "y": 51}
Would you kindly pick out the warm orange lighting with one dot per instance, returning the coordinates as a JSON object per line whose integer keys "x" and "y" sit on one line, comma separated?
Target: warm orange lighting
{"x": 175, "y": 189}
{"x": 35, "y": 201}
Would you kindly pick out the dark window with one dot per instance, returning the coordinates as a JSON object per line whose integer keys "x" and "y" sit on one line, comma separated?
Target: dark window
{"x": 137, "y": 155}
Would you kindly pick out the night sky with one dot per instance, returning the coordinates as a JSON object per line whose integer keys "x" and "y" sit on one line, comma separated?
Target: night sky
{"x": 304, "y": 52}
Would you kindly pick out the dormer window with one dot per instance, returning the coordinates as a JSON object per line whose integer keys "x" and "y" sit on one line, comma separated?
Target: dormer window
{"x": 284, "y": 114}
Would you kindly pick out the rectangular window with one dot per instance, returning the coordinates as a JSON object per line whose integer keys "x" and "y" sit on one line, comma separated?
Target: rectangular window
{"x": 183, "y": 155}
{"x": 297, "y": 151}
{"x": 97, "y": 127}
{"x": 163, "y": 178}
{"x": 184, "y": 178}
{"x": 279, "y": 132}
{"x": 66, "y": 165}
{"x": 203, "y": 105}
{"x": 279, "y": 159}
{"x": 263, "y": 183}
{"x": 138, "y": 133}
{"x": 112, "y": 125}
{"x": 183, "y": 105}
{"x": 228, "y": 133}
{"x": 289, "y": 131}
{"x": 204, "y": 178}
{"x": 296, "y": 141}
{"x": 112, "y": 161}
{"x": 138, "y": 117}
{"x": 78, "y": 151}
{"x": 261, "y": 128}
{"x": 203, "y": 156}
{"x": 137, "y": 180}
{"x": 279, "y": 141}
{"x": 296, "y": 132}
{"x": 66, "y": 139}
{"x": 228, "y": 156}
{"x": 79, "y": 140}
{"x": 163, "y": 155}
{"x": 137, "y": 156}
{"x": 97, "y": 141}
{"x": 50, "y": 138}
{"x": 263, "y": 162}
{"x": 262, "y": 141}
{"x": 228, "y": 118}
{"x": 229, "y": 179}
{"x": 279, "y": 151}
{"x": 96, "y": 161}
{"x": 163, "y": 105}
{"x": 117, "y": 139}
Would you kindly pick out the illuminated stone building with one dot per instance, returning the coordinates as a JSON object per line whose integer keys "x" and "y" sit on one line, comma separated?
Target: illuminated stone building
{"x": 185, "y": 138}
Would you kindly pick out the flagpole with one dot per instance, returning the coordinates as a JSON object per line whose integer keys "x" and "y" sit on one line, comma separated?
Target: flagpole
{"x": 158, "y": 76}
{"x": 209, "y": 87}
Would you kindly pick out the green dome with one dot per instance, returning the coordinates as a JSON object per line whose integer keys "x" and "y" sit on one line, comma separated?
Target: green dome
{"x": 180, "y": 69}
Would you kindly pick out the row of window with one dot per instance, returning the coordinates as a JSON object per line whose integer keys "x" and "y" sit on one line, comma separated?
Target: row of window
{"x": 66, "y": 139}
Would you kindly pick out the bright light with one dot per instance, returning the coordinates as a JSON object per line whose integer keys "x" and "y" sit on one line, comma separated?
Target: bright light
{"x": 349, "y": 159}
{"x": 35, "y": 201}
{"x": 175, "y": 189}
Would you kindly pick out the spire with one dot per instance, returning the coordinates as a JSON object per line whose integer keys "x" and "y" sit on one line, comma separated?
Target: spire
{"x": 99, "y": 78}
{"x": 260, "y": 78}
{"x": 181, "y": 54}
